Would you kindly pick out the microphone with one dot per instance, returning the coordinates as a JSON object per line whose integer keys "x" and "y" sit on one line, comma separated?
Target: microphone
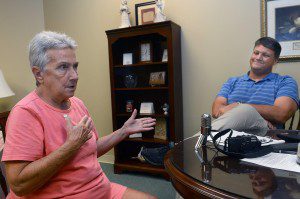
{"x": 205, "y": 130}
{"x": 206, "y": 169}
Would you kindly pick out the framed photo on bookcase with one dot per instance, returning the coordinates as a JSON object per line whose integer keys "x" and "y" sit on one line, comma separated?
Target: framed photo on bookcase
{"x": 160, "y": 131}
{"x": 157, "y": 78}
{"x": 146, "y": 51}
{"x": 145, "y": 13}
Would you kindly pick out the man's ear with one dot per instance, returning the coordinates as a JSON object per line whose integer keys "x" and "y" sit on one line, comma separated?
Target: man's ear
{"x": 38, "y": 74}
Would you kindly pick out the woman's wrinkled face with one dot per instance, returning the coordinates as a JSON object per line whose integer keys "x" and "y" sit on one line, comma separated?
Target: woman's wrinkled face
{"x": 60, "y": 74}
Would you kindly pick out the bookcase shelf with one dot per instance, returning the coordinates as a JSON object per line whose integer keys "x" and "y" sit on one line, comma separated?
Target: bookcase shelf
{"x": 142, "y": 64}
{"x": 149, "y": 140}
{"x": 162, "y": 36}
{"x": 135, "y": 165}
{"x": 145, "y": 88}
{"x": 129, "y": 114}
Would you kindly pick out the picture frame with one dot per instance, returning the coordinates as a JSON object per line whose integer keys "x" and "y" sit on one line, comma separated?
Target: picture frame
{"x": 145, "y": 13}
{"x": 281, "y": 21}
{"x": 127, "y": 58}
{"x": 146, "y": 51}
{"x": 157, "y": 78}
{"x": 160, "y": 129}
{"x": 147, "y": 108}
{"x": 165, "y": 55}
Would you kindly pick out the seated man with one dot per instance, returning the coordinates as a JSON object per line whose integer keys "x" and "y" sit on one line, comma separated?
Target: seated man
{"x": 259, "y": 100}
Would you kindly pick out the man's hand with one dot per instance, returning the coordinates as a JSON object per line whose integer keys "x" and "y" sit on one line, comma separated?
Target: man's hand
{"x": 133, "y": 125}
{"x": 80, "y": 133}
{"x": 220, "y": 106}
{"x": 224, "y": 109}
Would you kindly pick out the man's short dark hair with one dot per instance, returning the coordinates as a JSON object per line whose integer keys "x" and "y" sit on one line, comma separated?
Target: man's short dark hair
{"x": 270, "y": 43}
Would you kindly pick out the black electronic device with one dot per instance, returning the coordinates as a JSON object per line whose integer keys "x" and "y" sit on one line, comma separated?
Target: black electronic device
{"x": 285, "y": 148}
{"x": 244, "y": 144}
{"x": 246, "y": 147}
{"x": 290, "y": 136}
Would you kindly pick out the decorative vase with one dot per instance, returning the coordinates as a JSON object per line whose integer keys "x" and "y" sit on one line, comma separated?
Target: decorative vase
{"x": 130, "y": 81}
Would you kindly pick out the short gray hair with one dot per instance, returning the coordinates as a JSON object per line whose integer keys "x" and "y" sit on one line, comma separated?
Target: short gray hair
{"x": 44, "y": 41}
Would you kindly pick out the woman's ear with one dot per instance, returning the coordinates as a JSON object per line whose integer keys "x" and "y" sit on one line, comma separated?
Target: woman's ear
{"x": 38, "y": 74}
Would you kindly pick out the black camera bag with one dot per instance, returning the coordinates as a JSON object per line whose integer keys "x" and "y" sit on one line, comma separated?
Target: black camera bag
{"x": 241, "y": 146}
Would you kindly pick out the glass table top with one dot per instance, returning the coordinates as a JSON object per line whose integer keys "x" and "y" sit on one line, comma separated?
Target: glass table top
{"x": 232, "y": 175}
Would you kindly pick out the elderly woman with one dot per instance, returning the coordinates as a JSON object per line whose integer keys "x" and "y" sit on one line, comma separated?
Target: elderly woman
{"x": 52, "y": 145}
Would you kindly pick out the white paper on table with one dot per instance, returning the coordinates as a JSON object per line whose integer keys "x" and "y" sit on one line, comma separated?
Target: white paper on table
{"x": 265, "y": 140}
{"x": 277, "y": 161}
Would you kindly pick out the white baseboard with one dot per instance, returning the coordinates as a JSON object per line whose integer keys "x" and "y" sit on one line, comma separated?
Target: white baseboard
{"x": 107, "y": 159}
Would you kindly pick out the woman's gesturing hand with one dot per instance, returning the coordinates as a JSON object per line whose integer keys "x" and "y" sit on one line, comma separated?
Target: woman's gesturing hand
{"x": 133, "y": 125}
{"x": 80, "y": 133}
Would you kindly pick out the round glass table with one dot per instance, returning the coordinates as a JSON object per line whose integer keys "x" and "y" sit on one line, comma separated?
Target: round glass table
{"x": 210, "y": 174}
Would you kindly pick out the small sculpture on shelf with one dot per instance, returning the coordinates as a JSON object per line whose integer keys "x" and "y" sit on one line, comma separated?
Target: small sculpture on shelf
{"x": 165, "y": 108}
{"x": 159, "y": 15}
{"x": 124, "y": 10}
{"x": 130, "y": 80}
{"x": 129, "y": 106}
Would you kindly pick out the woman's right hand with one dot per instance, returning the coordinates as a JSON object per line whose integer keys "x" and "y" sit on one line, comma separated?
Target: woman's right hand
{"x": 80, "y": 133}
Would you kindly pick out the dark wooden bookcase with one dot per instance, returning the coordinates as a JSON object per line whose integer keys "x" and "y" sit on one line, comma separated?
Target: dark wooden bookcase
{"x": 164, "y": 35}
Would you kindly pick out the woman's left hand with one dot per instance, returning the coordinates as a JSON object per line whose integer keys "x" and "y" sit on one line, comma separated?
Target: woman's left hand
{"x": 133, "y": 125}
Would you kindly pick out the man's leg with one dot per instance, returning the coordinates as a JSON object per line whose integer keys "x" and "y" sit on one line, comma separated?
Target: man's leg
{"x": 245, "y": 118}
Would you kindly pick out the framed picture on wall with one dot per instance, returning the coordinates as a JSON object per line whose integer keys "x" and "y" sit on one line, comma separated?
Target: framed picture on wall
{"x": 145, "y": 12}
{"x": 281, "y": 21}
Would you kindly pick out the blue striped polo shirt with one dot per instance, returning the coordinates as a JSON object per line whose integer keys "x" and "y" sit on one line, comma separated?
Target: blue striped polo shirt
{"x": 263, "y": 92}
